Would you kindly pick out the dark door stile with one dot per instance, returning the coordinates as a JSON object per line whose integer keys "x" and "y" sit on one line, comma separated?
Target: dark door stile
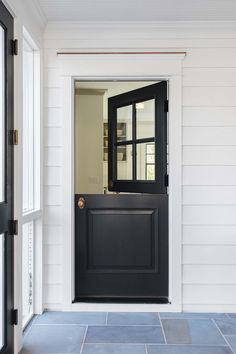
{"x": 6, "y": 207}
{"x": 121, "y": 240}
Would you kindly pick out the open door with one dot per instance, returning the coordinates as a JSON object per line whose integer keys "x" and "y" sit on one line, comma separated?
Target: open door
{"x": 6, "y": 182}
{"x": 121, "y": 240}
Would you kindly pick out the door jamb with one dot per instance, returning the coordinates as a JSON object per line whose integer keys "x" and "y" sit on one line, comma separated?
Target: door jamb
{"x": 175, "y": 194}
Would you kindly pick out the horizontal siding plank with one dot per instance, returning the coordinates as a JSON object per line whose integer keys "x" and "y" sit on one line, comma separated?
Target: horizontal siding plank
{"x": 51, "y": 59}
{"x": 209, "y": 234}
{"x": 210, "y": 58}
{"x": 53, "y": 234}
{"x": 209, "y": 116}
{"x": 53, "y": 176}
{"x": 52, "y": 274}
{"x": 53, "y": 156}
{"x": 53, "y": 254}
{"x": 53, "y": 294}
{"x": 137, "y": 41}
{"x": 209, "y": 96}
{"x": 75, "y": 31}
{"x": 53, "y": 136}
{"x": 209, "y": 77}
{"x": 201, "y": 195}
{"x": 209, "y": 254}
{"x": 53, "y": 195}
{"x": 216, "y": 308}
{"x": 52, "y": 117}
{"x": 209, "y": 294}
{"x": 209, "y": 136}
{"x": 209, "y": 155}
{"x": 52, "y": 78}
{"x": 209, "y": 175}
{"x": 209, "y": 215}
{"x": 52, "y": 97}
{"x": 53, "y": 215}
{"x": 209, "y": 274}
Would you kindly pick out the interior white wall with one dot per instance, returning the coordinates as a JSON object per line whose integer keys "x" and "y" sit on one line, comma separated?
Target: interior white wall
{"x": 89, "y": 143}
{"x": 209, "y": 164}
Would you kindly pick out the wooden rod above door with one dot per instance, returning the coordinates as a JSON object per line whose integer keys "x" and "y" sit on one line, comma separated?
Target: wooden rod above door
{"x": 120, "y": 53}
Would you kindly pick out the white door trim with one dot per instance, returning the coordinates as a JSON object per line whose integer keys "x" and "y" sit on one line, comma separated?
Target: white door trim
{"x": 124, "y": 68}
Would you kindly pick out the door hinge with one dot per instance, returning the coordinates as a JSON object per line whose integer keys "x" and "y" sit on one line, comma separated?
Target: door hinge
{"x": 15, "y": 47}
{"x": 13, "y": 227}
{"x": 166, "y": 180}
{"x": 14, "y": 138}
{"x": 166, "y": 106}
{"x": 14, "y": 317}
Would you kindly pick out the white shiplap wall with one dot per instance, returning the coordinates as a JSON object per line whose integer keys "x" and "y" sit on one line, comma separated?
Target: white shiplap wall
{"x": 209, "y": 151}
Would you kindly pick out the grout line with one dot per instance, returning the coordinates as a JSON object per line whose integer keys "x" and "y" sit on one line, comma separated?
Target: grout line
{"x": 106, "y": 318}
{"x": 158, "y": 344}
{"x": 163, "y": 332}
{"x": 223, "y": 336}
{"x": 82, "y": 346}
{"x": 97, "y": 325}
{"x": 146, "y": 351}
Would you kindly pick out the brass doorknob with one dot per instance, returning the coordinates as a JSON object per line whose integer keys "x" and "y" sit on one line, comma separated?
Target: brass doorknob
{"x": 81, "y": 203}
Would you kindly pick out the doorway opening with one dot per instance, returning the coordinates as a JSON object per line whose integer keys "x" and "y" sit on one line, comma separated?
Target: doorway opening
{"x": 121, "y": 192}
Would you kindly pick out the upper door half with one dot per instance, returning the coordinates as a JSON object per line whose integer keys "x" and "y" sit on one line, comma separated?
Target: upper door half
{"x": 137, "y": 133}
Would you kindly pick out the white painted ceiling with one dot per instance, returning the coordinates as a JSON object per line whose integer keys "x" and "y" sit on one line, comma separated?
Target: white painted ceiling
{"x": 139, "y": 10}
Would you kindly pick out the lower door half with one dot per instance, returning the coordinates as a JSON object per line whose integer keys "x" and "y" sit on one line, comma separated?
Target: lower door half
{"x": 121, "y": 248}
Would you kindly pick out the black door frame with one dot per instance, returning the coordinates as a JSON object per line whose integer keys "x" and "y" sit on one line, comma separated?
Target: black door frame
{"x": 7, "y": 207}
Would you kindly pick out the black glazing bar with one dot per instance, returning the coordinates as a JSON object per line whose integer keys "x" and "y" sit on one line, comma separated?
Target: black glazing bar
{"x": 137, "y": 141}
{"x": 134, "y": 133}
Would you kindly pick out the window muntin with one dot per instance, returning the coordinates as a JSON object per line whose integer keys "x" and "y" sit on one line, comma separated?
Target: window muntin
{"x": 139, "y": 120}
{"x": 150, "y": 162}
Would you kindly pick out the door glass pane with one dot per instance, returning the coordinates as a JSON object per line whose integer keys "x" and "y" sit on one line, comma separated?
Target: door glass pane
{"x": 2, "y": 322}
{"x": 145, "y": 159}
{"x": 145, "y": 117}
{"x": 27, "y": 272}
{"x": 124, "y": 162}
{"x": 2, "y": 117}
{"x": 124, "y": 123}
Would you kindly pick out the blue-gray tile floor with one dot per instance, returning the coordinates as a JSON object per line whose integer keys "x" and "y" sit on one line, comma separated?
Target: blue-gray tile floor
{"x": 131, "y": 333}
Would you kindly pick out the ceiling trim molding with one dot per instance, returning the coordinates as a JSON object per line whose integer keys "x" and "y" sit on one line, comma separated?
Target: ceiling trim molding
{"x": 164, "y": 25}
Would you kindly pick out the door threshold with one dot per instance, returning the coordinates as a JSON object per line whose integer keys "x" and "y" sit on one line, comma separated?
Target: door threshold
{"x": 120, "y": 300}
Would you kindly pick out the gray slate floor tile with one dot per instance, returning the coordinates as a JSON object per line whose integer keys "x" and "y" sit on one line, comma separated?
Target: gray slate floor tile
{"x": 133, "y": 318}
{"x": 124, "y": 334}
{"x": 232, "y": 315}
{"x": 114, "y": 349}
{"x": 85, "y": 318}
{"x": 199, "y": 332}
{"x": 54, "y": 339}
{"x": 232, "y": 342}
{"x": 191, "y": 315}
{"x": 227, "y": 326}
{"x": 179, "y": 349}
